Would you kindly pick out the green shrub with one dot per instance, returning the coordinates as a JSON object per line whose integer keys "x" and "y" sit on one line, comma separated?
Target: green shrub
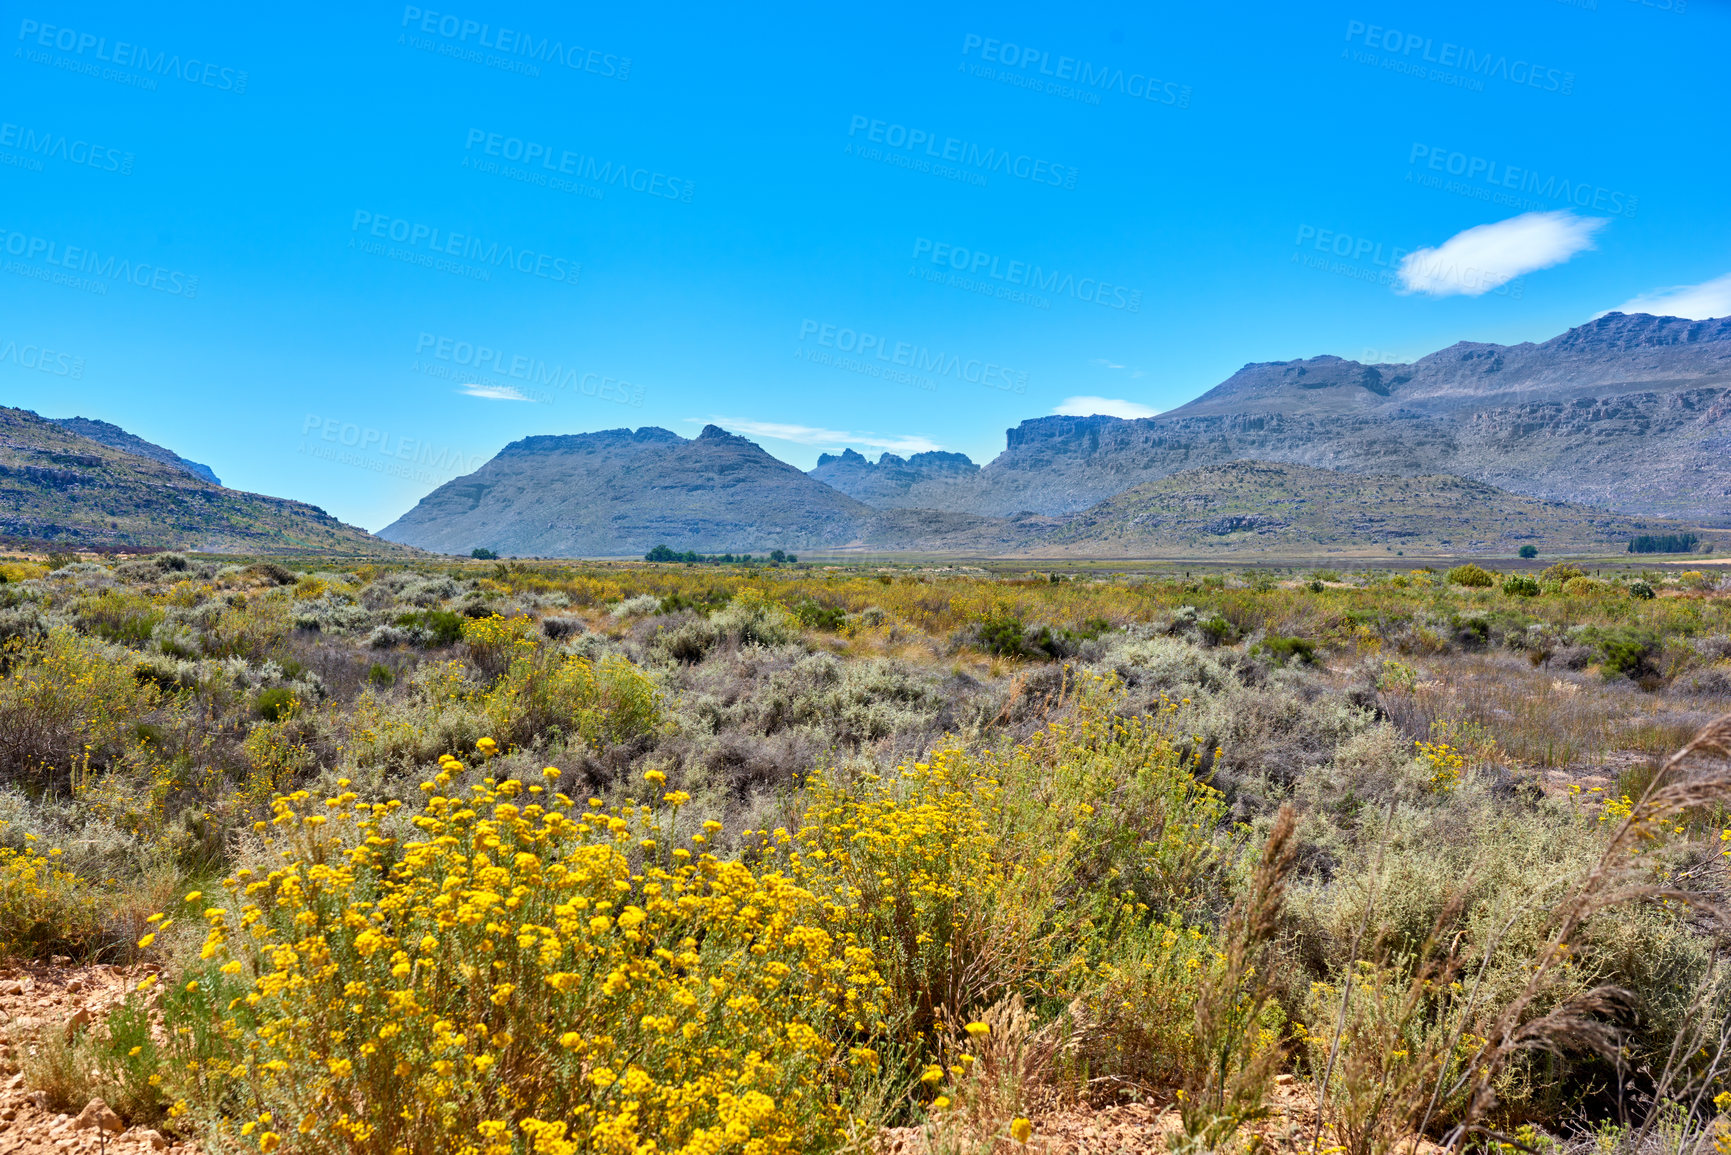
{"x": 1560, "y": 572}
{"x": 483, "y": 555}
{"x": 1521, "y": 586}
{"x": 1641, "y": 591}
{"x": 545, "y": 694}
{"x": 438, "y": 627}
{"x": 381, "y": 675}
{"x": 1622, "y": 651}
{"x": 1664, "y": 543}
{"x": 1529, "y": 551}
{"x": 1283, "y": 650}
{"x": 1471, "y": 576}
{"x": 754, "y": 620}
{"x": 274, "y": 704}
{"x": 815, "y": 615}
{"x": 1008, "y": 637}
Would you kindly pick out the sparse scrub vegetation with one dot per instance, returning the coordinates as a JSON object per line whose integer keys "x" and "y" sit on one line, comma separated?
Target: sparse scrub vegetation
{"x": 534, "y": 857}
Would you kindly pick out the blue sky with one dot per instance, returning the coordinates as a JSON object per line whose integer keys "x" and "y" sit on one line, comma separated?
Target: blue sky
{"x": 346, "y": 253}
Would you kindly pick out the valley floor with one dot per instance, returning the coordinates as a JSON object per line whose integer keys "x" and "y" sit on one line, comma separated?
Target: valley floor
{"x": 525, "y": 856}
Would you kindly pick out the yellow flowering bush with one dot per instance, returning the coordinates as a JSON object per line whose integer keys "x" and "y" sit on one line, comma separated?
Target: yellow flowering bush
{"x": 599, "y": 702}
{"x": 65, "y": 699}
{"x": 494, "y": 642}
{"x": 522, "y": 974}
{"x": 979, "y": 875}
{"x": 44, "y": 909}
{"x": 1445, "y": 763}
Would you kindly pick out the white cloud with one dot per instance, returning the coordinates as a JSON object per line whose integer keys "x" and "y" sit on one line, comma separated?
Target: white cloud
{"x": 1696, "y": 302}
{"x": 1110, "y": 406}
{"x": 1485, "y": 257}
{"x": 491, "y": 392}
{"x": 1108, "y": 363}
{"x": 824, "y": 438}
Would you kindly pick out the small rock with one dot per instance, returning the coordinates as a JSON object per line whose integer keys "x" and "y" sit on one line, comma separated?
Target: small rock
{"x": 8, "y": 1113}
{"x": 75, "y": 986}
{"x": 80, "y": 1018}
{"x": 11, "y": 987}
{"x": 1282, "y": 1080}
{"x": 152, "y": 1140}
{"x": 40, "y": 1098}
{"x": 97, "y": 1114}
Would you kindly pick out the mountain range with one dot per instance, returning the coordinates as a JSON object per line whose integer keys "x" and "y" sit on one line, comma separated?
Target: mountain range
{"x": 62, "y": 486}
{"x": 1582, "y": 439}
{"x": 1617, "y": 427}
{"x": 1628, "y": 412}
{"x": 115, "y": 437}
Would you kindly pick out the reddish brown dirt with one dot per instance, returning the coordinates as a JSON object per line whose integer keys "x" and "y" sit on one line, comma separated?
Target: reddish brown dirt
{"x": 40, "y": 997}
{"x": 1145, "y": 1128}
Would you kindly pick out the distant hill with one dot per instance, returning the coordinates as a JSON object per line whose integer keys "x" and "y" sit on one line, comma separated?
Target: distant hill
{"x": 1276, "y": 508}
{"x": 621, "y": 493}
{"x": 1627, "y": 412}
{"x": 894, "y": 481}
{"x": 118, "y": 438}
{"x": 59, "y": 486}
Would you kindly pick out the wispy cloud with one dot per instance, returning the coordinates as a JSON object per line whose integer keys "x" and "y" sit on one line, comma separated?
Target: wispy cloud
{"x": 491, "y": 392}
{"x": 1109, "y": 406}
{"x": 824, "y": 438}
{"x": 1108, "y": 363}
{"x": 1485, "y": 257}
{"x": 1697, "y": 302}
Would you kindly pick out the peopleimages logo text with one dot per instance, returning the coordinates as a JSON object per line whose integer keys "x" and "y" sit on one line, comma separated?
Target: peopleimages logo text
{"x": 1025, "y": 274}
{"x": 418, "y": 451}
{"x": 46, "y": 144}
{"x": 964, "y": 152}
{"x": 1581, "y": 194}
{"x": 41, "y": 358}
{"x": 564, "y": 162}
{"x": 914, "y": 357}
{"x": 431, "y": 239}
{"x": 80, "y": 262}
{"x": 1487, "y": 65}
{"x": 1071, "y": 70}
{"x": 514, "y": 42}
{"x": 124, "y": 55}
{"x": 477, "y": 359}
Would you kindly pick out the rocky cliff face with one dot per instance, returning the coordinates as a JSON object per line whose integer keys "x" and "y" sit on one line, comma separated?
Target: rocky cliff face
{"x": 1249, "y": 507}
{"x": 895, "y": 482}
{"x": 621, "y": 493}
{"x": 118, "y": 438}
{"x": 1632, "y": 413}
{"x": 57, "y": 486}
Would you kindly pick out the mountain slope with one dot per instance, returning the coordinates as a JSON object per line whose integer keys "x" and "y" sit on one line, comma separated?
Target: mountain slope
{"x": 894, "y": 481}
{"x": 619, "y": 493}
{"x": 1267, "y": 507}
{"x": 58, "y": 486}
{"x": 116, "y": 437}
{"x": 1629, "y": 412}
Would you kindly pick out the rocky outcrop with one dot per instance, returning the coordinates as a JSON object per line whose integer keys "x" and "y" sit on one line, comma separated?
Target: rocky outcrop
{"x": 115, "y": 437}
{"x": 1632, "y": 413}
{"x": 621, "y": 492}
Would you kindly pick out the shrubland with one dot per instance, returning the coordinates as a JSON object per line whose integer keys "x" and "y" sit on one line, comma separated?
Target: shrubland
{"x": 501, "y": 857}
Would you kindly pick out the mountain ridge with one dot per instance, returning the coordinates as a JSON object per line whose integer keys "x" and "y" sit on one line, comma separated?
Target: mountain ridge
{"x": 1630, "y": 412}
{"x": 620, "y": 492}
{"x": 61, "y": 487}
{"x": 109, "y": 434}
